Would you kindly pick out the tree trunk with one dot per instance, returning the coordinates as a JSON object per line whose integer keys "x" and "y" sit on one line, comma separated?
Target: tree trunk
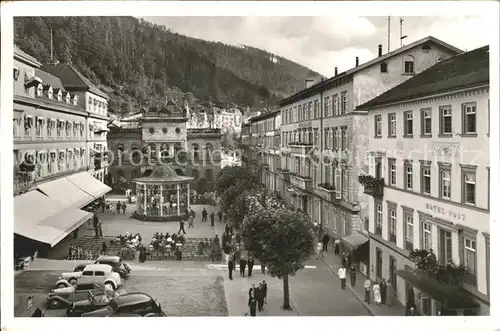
{"x": 286, "y": 293}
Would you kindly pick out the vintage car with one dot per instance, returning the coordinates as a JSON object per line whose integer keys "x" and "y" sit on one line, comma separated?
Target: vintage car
{"x": 77, "y": 308}
{"x": 117, "y": 263}
{"x": 129, "y": 304}
{"x": 71, "y": 277}
{"x": 62, "y": 297}
{"x": 101, "y": 274}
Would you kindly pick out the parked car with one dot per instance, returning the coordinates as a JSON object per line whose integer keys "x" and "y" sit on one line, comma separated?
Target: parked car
{"x": 101, "y": 274}
{"x": 117, "y": 263}
{"x": 72, "y": 277}
{"x": 77, "y": 308}
{"x": 62, "y": 297}
{"x": 129, "y": 304}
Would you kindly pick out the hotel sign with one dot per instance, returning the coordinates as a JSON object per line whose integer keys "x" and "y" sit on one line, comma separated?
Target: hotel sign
{"x": 450, "y": 212}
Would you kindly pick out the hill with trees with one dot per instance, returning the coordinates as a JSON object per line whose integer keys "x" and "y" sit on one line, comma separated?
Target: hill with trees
{"x": 137, "y": 62}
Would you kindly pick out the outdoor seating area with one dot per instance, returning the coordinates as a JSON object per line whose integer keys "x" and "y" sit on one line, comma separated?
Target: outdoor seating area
{"x": 174, "y": 247}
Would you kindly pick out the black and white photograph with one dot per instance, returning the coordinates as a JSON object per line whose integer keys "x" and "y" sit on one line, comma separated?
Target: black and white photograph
{"x": 332, "y": 164}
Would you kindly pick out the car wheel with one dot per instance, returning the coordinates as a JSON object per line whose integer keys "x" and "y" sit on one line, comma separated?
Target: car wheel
{"x": 113, "y": 286}
{"x": 54, "y": 303}
{"x": 72, "y": 281}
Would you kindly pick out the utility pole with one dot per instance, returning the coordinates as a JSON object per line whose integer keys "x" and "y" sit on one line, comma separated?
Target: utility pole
{"x": 401, "y": 37}
{"x": 388, "y": 34}
{"x": 51, "y": 47}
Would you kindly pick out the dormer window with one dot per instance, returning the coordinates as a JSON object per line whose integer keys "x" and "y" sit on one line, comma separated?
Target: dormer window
{"x": 59, "y": 96}
{"x": 50, "y": 92}
{"x": 16, "y": 73}
{"x": 75, "y": 100}
{"x": 39, "y": 90}
{"x": 67, "y": 98}
{"x": 409, "y": 65}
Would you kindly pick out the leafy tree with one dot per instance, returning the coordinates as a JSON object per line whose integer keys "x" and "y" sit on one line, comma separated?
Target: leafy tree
{"x": 237, "y": 176}
{"x": 283, "y": 239}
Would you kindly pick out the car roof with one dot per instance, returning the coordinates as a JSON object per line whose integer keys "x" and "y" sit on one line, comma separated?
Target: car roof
{"x": 132, "y": 298}
{"x": 109, "y": 258}
{"x": 98, "y": 267}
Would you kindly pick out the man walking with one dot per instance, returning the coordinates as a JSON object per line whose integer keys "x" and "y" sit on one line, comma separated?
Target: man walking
{"x": 124, "y": 207}
{"x": 264, "y": 290}
{"x": 219, "y": 214}
{"x": 243, "y": 264}
{"x": 181, "y": 227}
{"x": 326, "y": 239}
{"x": 383, "y": 291}
{"x": 204, "y": 215}
{"x": 212, "y": 219}
{"x": 230, "y": 267}
{"x": 342, "y": 276}
{"x": 259, "y": 296}
{"x": 367, "y": 285}
{"x": 250, "y": 265}
{"x": 352, "y": 274}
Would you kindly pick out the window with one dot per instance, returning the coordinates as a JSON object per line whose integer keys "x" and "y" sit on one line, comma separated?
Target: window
{"x": 445, "y": 247}
{"x": 50, "y": 93}
{"x": 392, "y": 225}
{"x": 469, "y": 186}
{"x": 338, "y": 183}
{"x": 378, "y": 220}
{"x": 335, "y": 108}
{"x": 316, "y": 108}
{"x": 378, "y": 126}
{"x": 345, "y": 142}
{"x": 445, "y": 182}
{"x": 445, "y": 120}
{"x": 392, "y": 125}
{"x": 426, "y": 120}
{"x": 39, "y": 90}
{"x": 409, "y": 64}
{"x": 87, "y": 273}
{"x": 300, "y": 113}
{"x": 392, "y": 172}
{"x": 469, "y": 256}
{"x": 345, "y": 182}
{"x": 99, "y": 273}
{"x": 469, "y": 118}
{"x": 408, "y": 175}
{"x": 408, "y": 219}
{"x": 316, "y": 137}
{"x": 383, "y": 67}
{"x": 426, "y": 179}
{"x": 427, "y": 236}
{"x": 408, "y": 123}
{"x": 327, "y": 107}
{"x": 346, "y": 225}
{"x": 16, "y": 127}
{"x": 344, "y": 102}
{"x": 309, "y": 110}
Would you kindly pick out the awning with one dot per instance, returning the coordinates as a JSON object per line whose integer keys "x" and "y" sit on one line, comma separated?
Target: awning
{"x": 88, "y": 184}
{"x": 66, "y": 192}
{"x": 98, "y": 127}
{"x": 40, "y": 218}
{"x": 355, "y": 240}
{"x": 451, "y": 297}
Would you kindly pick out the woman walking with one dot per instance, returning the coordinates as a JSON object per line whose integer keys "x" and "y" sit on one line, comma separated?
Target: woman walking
{"x": 376, "y": 294}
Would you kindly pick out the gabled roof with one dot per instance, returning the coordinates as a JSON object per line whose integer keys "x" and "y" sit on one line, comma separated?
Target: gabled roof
{"x": 20, "y": 55}
{"x": 323, "y": 85}
{"x": 72, "y": 78}
{"x": 457, "y": 72}
{"x": 265, "y": 115}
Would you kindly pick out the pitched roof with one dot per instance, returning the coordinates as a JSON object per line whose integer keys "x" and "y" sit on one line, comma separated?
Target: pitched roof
{"x": 323, "y": 85}
{"x": 460, "y": 71}
{"x": 72, "y": 78}
{"x": 25, "y": 57}
{"x": 49, "y": 79}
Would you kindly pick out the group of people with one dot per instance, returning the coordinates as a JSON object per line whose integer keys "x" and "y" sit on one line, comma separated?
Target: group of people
{"x": 129, "y": 240}
{"x": 382, "y": 292}
{"x": 204, "y": 216}
{"x": 76, "y": 252}
{"x": 257, "y": 297}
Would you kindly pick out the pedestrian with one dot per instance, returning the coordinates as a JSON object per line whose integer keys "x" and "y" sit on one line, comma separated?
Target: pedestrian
{"x": 391, "y": 294}
{"x": 251, "y": 290}
{"x": 104, "y": 248}
{"x": 219, "y": 214}
{"x": 250, "y": 265}
{"x": 252, "y": 303}
{"x": 230, "y": 267}
{"x": 192, "y": 213}
{"x": 204, "y": 214}
{"x": 319, "y": 250}
{"x": 190, "y": 221}
{"x": 367, "y": 285}
{"x": 124, "y": 207}
{"x": 263, "y": 267}
{"x": 118, "y": 207}
{"x": 70, "y": 252}
{"x": 336, "y": 247}
{"x": 344, "y": 260}
{"x": 352, "y": 274}
{"x": 383, "y": 291}
{"x": 376, "y": 294}
{"x": 243, "y": 264}
{"x": 342, "y": 276}
{"x": 264, "y": 291}
{"x": 99, "y": 228}
{"x": 103, "y": 205}
{"x": 259, "y": 295}
{"x": 326, "y": 239}
{"x": 181, "y": 227}
{"x": 212, "y": 219}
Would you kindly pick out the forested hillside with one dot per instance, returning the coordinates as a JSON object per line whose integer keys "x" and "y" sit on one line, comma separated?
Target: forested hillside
{"x": 136, "y": 62}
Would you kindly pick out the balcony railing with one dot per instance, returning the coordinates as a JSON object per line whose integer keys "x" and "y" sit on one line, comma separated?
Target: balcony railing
{"x": 304, "y": 183}
{"x": 325, "y": 191}
{"x": 300, "y": 147}
{"x": 373, "y": 186}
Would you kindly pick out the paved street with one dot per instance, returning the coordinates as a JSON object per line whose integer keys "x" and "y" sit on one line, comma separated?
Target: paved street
{"x": 191, "y": 288}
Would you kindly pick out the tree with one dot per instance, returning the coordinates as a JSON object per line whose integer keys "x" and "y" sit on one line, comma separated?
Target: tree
{"x": 237, "y": 176}
{"x": 282, "y": 238}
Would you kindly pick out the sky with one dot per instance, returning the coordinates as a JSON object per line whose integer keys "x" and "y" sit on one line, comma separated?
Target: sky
{"x": 322, "y": 43}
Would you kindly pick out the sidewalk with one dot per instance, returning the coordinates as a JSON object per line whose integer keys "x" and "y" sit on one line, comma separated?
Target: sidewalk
{"x": 333, "y": 262}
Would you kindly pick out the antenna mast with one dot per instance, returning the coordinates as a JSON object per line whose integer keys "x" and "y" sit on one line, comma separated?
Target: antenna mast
{"x": 388, "y": 34}
{"x": 51, "y": 47}
{"x": 401, "y": 37}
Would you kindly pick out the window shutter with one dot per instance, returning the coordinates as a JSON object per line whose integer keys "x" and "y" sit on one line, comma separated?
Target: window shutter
{"x": 338, "y": 183}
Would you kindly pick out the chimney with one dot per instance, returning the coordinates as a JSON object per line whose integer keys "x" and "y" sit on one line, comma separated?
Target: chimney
{"x": 357, "y": 61}
{"x": 379, "y": 50}
{"x": 336, "y": 71}
{"x": 309, "y": 83}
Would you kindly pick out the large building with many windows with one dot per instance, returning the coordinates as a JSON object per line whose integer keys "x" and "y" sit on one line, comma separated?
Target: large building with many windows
{"x": 324, "y": 137}
{"x": 428, "y": 183}
{"x": 54, "y": 164}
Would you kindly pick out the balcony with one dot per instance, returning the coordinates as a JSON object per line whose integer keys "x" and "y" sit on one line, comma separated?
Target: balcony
{"x": 304, "y": 183}
{"x": 326, "y": 191}
{"x": 373, "y": 186}
{"x": 285, "y": 173}
{"x": 300, "y": 147}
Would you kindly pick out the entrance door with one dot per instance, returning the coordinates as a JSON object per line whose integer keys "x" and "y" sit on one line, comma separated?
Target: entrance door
{"x": 304, "y": 205}
{"x": 392, "y": 272}
{"x": 378, "y": 263}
